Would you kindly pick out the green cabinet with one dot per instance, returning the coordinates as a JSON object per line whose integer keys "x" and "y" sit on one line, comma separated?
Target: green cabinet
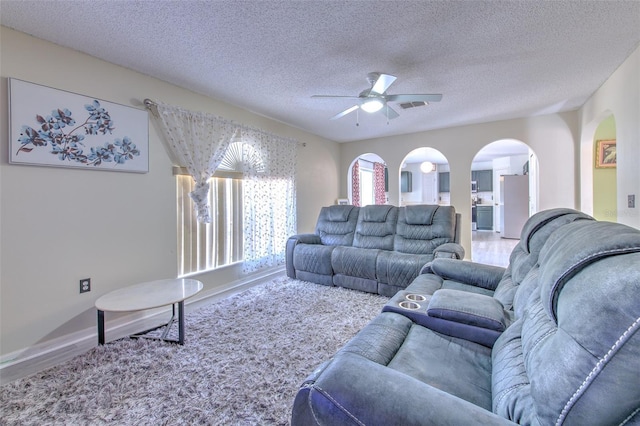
{"x": 406, "y": 184}
{"x": 443, "y": 182}
{"x": 484, "y": 179}
{"x": 484, "y": 217}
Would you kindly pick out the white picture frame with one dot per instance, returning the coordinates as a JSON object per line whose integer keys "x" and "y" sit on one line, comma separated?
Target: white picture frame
{"x": 56, "y": 128}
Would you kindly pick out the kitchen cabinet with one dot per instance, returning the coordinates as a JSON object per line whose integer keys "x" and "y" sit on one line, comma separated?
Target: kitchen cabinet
{"x": 443, "y": 182}
{"x": 484, "y": 217}
{"x": 406, "y": 184}
{"x": 484, "y": 179}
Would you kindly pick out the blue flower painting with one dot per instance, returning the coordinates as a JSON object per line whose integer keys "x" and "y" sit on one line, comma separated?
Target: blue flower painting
{"x": 63, "y": 137}
{"x": 78, "y": 132}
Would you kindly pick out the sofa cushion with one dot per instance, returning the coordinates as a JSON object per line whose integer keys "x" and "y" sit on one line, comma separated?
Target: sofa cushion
{"x": 336, "y": 225}
{"x": 422, "y": 228}
{"x": 395, "y": 341}
{"x": 315, "y": 258}
{"x": 566, "y": 253}
{"x": 419, "y": 215}
{"x": 398, "y": 269}
{"x": 524, "y": 256}
{"x": 376, "y": 227}
{"x": 354, "y": 262}
{"x": 468, "y": 308}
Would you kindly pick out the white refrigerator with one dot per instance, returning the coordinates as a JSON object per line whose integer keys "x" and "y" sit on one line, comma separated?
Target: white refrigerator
{"x": 514, "y": 204}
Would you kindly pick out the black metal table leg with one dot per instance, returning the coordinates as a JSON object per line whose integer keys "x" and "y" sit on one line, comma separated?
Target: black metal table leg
{"x": 100, "y": 327}
{"x": 181, "y": 323}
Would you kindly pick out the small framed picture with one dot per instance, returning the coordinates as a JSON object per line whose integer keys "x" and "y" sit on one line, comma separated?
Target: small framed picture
{"x": 606, "y": 156}
{"x": 342, "y": 201}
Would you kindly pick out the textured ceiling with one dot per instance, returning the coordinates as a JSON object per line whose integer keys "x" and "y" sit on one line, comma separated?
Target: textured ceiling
{"x": 491, "y": 60}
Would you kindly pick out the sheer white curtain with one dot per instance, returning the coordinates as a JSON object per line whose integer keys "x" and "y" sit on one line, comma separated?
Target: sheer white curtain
{"x": 198, "y": 142}
{"x": 269, "y": 204}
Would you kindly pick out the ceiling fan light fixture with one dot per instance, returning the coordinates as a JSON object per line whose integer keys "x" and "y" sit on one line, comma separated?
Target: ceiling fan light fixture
{"x": 372, "y": 105}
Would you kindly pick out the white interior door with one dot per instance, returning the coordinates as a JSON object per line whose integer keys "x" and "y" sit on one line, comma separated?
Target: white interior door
{"x": 429, "y": 188}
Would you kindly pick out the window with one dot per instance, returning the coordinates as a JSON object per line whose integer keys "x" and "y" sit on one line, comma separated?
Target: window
{"x": 367, "y": 196}
{"x": 252, "y": 209}
{"x": 206, "y": 246}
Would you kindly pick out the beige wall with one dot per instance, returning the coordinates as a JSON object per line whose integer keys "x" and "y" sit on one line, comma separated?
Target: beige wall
{"x": 60, "y": 225}
{"x": 552, "y": 138}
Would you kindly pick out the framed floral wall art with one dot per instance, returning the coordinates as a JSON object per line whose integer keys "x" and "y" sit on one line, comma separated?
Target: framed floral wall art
{"x": 51, "y": 127}
{"x": 606, "y": 155}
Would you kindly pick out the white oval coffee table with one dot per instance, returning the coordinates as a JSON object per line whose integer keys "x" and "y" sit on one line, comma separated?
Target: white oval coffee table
{"x": 149, "y": 295}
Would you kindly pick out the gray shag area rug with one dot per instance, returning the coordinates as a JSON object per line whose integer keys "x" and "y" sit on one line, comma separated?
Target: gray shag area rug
{"x": 243, "y": 361}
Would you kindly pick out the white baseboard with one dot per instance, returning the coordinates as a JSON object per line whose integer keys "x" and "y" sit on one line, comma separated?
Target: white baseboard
{"x": 52, "y": 352}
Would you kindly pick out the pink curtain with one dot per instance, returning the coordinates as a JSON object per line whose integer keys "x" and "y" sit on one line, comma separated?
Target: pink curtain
{"x": 355, "y": 184}
{"x": 378, "y": 183}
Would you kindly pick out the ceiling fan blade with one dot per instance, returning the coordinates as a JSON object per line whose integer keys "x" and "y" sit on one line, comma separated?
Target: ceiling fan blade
{"x": 414, "y": 98}
{"x": 382, "y": 83}
{"x": 345, "y": 112}
{"x": 389, "y": 112}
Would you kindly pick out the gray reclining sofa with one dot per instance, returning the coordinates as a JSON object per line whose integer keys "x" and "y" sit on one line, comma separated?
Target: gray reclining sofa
{"x": 377, "y": 249}
{"x": 570, "y": 354}
{"x": 472, "y": 300}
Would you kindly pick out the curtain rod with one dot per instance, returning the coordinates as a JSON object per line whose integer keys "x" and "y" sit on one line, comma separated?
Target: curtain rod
{"x": 153, "y": 107}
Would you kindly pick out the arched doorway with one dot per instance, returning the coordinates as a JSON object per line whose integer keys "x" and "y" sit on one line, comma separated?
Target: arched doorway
{"x": 368, "y": 180}
{"x": 605, "y": 194}
{"x": 424, "y": 178}
{"x": 504, "y": 177}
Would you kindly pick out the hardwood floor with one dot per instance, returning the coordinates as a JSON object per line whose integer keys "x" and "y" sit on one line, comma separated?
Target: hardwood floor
{"x": 488, "y": 247}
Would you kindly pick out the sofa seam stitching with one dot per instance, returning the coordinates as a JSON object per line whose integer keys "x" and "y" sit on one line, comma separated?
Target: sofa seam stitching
{"x": 508, "y": 391}
{"x": 330, "y": 398}
{"x": 596, "y": 370}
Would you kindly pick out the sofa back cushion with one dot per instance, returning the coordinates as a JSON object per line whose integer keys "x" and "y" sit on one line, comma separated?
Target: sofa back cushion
{"x": 376, "y": 227}
{"x": 574, "y": 355}
{"x": 524, "y": 256}
{"x": 336, "y": 225}
{"x": 422, "y": 228}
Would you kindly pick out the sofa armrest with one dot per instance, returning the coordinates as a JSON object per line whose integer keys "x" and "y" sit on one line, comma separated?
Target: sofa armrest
{"x": 449, "y": 251}
{"x": 354, "y": 390}
{"x": 290, "y": 247}
{"x": 477, "y": 310}
{"x": 306, "y": 238}
{"x": 477, "y": 274}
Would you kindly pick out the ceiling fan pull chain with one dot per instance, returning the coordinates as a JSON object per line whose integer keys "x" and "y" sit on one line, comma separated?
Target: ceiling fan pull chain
{"x": 358, "y": 117}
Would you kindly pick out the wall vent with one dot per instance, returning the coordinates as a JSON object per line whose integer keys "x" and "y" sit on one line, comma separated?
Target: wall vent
{"x": 408, "y": 105}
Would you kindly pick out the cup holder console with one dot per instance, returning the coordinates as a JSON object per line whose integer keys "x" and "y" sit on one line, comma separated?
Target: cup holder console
{"x": 416, "y": 297}
{"x": 407, "y": 304}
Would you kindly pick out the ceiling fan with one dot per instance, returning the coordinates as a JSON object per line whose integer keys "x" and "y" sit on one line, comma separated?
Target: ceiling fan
{"x": 376, "y": 98}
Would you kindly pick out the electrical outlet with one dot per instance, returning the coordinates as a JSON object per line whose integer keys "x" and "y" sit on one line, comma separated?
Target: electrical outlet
{"x": 85, "y": 285}
{"x": 631, "y": 201}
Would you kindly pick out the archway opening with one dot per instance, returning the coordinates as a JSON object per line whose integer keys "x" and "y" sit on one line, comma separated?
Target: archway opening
{"x": 424, "y": 178}
{"x": 504, "y": 176}
{"x": 368, "y": 181}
